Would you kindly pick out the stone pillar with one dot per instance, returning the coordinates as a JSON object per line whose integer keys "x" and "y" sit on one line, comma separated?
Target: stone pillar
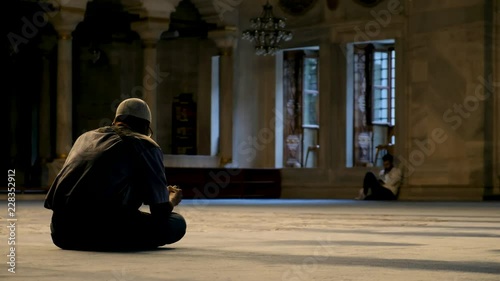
{"x": 207, "y": 114}
{"x": 150, "y": 31}
{"x": 64, "y": 101}
{"x": 491, "y": 86}
{"x": 226, "y": 42}
{"x": 64, "y": 19}
{"x": 44, "y": 124}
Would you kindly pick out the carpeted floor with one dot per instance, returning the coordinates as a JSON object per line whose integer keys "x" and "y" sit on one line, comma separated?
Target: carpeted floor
{"x": 294, "y": 240}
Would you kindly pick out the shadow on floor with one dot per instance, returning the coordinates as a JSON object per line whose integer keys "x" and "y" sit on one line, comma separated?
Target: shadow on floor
{"x": 126, "y": 251}
{"x": 342, "y": 243}
{"x": 307, "y": 260}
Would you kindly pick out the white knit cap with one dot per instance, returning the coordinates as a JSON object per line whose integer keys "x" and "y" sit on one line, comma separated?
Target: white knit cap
{"x": 134, "y": 107}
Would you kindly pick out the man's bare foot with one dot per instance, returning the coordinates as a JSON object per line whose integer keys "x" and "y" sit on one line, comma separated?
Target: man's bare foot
{"x": 361, "y": 195}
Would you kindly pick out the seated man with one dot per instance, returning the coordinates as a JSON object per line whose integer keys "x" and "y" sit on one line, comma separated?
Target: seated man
{"x": 386, "y": 187}
{"x": 109, "y": 173}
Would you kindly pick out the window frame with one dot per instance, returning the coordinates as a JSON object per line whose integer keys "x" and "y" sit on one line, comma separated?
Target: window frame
{"x": 389, "y": 87}
{"x": 306, "y": 91}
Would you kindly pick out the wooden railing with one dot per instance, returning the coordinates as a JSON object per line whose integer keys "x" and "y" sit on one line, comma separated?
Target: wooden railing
{"x": 208, "y": 183}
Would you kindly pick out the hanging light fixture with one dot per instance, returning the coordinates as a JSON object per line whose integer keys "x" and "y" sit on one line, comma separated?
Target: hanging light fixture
{"x": 267, "y": 32}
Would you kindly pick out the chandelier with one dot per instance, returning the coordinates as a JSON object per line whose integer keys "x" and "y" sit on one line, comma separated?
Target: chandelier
{"x": 267, "y": 32}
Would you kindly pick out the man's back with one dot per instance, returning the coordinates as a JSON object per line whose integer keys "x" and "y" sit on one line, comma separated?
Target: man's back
{"x": 109, "y": 173}
{"x": 109, "y": 168}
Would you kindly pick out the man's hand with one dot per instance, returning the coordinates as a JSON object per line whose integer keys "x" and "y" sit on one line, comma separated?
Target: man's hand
{"x": 175, "y": 194}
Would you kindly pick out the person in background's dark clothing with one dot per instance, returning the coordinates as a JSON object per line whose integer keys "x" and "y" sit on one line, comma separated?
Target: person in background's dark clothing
{"x": 108, "y": 175}
{"x": 385, "y": 187}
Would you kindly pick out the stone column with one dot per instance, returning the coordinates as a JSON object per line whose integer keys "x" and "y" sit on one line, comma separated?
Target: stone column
{"x": 150, "y": 31}
{"x": 64, "y": 19}
{"x": 491, "y": 87}
{"x": 226, "y": 42}
{"x": 44, "y": 138}
{"x": 64, "y": 101}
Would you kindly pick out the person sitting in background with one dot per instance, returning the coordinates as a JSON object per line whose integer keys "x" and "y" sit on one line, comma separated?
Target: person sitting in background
{"x": 385, "y": 187}
{"x": 108, "y": 175}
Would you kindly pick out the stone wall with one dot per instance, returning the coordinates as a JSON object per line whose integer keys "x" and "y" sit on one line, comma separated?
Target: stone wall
{"x": 446, "y": 55}
{"x": 445, "y": 109}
